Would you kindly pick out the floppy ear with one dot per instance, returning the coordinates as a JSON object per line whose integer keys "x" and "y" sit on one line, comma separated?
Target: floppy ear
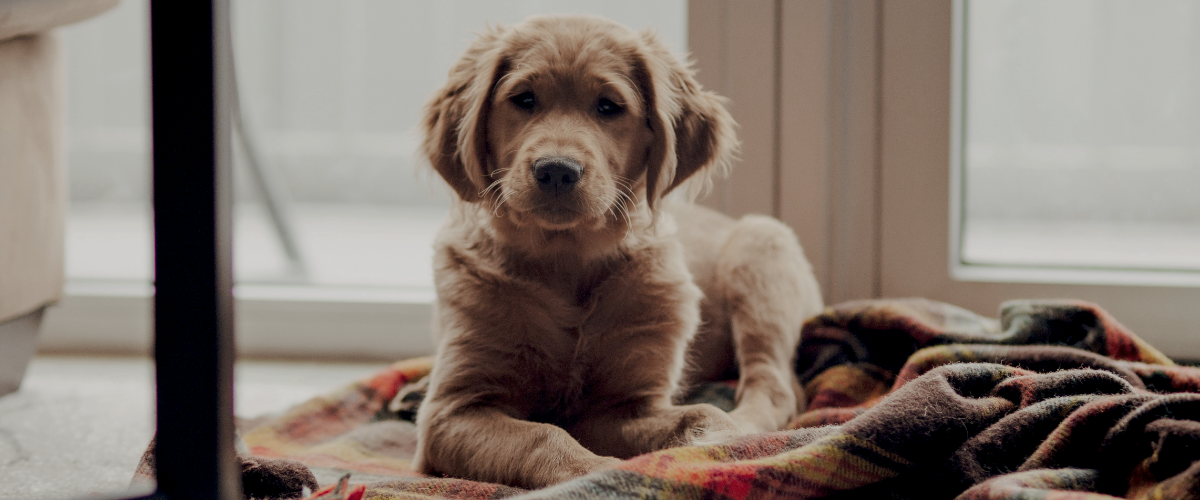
{"x": 456, "y": 117}
{"x": 694, "y": 135}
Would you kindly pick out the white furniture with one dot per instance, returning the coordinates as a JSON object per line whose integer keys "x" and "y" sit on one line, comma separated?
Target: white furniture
{"x": 32, "y": 180}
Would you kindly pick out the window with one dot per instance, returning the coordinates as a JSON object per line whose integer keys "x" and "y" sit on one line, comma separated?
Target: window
{"x": 1080, "y": 142}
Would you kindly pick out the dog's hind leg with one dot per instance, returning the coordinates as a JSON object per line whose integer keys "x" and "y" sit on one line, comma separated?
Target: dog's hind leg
{"x": 770, "y": 290}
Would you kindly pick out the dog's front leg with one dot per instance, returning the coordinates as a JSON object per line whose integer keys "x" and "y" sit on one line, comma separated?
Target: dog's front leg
{"x": 629, "y": 431}
{"x": 485, "y": 444}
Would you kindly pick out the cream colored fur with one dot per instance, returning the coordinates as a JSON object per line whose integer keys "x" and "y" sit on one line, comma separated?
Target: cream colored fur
{"x": 569, "y": 321}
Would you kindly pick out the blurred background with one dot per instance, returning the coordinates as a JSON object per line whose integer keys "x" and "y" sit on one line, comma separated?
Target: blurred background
{"x": 331, "y": 94}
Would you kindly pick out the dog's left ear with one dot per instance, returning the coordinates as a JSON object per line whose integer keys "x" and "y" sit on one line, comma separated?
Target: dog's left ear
{"x": 694, "y": 135}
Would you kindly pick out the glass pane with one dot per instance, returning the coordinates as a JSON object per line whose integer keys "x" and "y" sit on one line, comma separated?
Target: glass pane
{"x": 1082, "y": 134}
{"x": 331, "y": 92}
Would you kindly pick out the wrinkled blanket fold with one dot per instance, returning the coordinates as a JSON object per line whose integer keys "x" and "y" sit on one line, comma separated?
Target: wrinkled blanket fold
{"x": 907, "y": 399}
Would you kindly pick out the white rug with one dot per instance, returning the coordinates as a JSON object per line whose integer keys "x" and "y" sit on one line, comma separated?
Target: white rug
{"x": 78, "y": 426}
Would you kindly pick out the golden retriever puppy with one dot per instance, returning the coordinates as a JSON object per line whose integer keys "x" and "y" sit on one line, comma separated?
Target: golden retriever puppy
{"x": 568, "y": 290}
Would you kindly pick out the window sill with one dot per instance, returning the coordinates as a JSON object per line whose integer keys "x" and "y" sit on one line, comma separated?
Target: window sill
{"x": 1080, "y": 252}
{"x": 1074, "y": 276}
{"x": 272, "y": 321}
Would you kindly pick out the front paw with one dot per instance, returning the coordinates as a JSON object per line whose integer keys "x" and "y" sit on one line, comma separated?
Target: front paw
{"x": 703, "y": 425}
{"x": 555, "y": 474}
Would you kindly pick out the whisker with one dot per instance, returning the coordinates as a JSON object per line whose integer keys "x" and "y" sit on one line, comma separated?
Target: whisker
{"x": 493, "y": 186}
{"x": 489, "y": 193}
{"x": 623, "y": 202}
{"x": 626, "y": 201}
{"x": 504, "y": 196}
{"x": 619, "y": 206}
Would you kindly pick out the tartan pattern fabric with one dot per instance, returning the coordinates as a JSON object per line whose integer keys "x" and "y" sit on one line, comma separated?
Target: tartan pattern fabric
{"x": 907, "y": 399}
{"x": 347, "y": 429}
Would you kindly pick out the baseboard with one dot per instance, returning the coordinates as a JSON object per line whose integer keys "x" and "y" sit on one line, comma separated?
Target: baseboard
{"x": 272, "y": 321}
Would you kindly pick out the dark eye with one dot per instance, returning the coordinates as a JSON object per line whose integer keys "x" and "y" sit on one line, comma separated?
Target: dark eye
{"x": 524, "y": 100}
{"x": 608, "y": 108}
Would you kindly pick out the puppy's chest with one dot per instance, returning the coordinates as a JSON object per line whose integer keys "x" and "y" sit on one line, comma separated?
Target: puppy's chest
{"x": 575, "y": 354}
{"x": 567, "y": 378}
{"x": 576, "y": 327}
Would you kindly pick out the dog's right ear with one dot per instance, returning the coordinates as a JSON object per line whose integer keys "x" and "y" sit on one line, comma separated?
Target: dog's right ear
{"x": 455, "y": 122}
{"x": 695, "y": 136}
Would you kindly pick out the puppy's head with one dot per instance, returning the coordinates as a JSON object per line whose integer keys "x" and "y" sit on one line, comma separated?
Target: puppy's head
{"x": 561, "y": 121}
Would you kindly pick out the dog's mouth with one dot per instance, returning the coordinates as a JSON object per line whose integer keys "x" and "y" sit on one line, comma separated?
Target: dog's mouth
{"x": 557, "y": 211}
{"x": 557, "y": 214}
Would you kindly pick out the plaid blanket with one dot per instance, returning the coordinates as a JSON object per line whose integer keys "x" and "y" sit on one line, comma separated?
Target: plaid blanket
{"x": 907, "y": 399}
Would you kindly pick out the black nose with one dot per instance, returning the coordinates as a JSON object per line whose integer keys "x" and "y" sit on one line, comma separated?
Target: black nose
{"x": 557, "y": 174}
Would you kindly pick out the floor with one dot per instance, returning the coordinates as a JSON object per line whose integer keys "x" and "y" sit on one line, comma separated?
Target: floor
{"x": 78, "y": 426}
